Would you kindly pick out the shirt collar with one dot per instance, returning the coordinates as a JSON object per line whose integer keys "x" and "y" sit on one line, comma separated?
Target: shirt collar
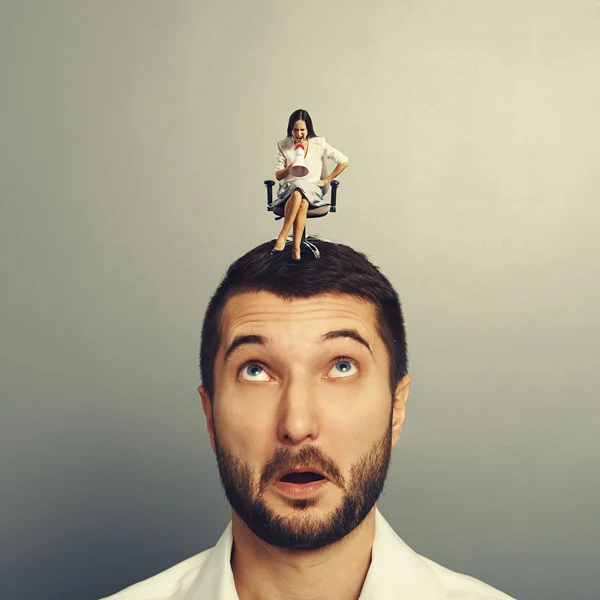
{"x": 396, "y": 571}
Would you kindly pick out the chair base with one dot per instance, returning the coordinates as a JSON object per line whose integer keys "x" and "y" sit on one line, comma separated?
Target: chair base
{"x": 311, "y": 247}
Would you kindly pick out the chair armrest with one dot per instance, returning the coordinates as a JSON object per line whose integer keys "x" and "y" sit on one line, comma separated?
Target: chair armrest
{"x": 269, "y": 183}
{"x": 334, "y": 186}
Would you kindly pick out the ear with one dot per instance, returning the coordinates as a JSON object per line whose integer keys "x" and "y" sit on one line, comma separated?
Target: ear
{"x": 399, "y": 408}
{"x": 208, "y": 412}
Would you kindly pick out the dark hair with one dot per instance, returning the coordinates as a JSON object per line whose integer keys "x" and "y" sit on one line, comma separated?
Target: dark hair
{"x": 301, "y": 115}
{"x": 340, "y": 269}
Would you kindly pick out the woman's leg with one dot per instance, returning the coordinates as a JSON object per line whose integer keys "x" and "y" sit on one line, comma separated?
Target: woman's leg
{"x": 299, "y": 224}
{"x": 290, "y": 211}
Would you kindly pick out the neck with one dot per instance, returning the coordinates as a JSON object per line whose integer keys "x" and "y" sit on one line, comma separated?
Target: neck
{"x": 336, "y": 572}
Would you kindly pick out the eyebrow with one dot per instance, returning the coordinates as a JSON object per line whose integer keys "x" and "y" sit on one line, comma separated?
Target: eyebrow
{"x": 345, "y": 333}
{"x": 253, "y": 339}
{"x": 242, "y": 340}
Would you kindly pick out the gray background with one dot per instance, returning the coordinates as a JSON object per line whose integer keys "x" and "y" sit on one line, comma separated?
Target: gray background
{"x": 135, "y": 137}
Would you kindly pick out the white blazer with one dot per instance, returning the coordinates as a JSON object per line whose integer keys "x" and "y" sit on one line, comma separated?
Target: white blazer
{"x": 316, "y": 159}
{"x": 396, "y": 573}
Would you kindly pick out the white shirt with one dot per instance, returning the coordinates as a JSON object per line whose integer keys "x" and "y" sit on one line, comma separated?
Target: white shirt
{"x": 396, "y": 573}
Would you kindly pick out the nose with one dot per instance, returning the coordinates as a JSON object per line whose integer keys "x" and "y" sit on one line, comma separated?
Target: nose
{"x": 298, "y": 413}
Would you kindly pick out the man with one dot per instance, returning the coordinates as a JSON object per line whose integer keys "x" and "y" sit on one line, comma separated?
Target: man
{"x": 305, "y": 383}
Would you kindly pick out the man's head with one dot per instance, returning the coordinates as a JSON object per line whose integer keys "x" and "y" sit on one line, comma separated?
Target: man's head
{"x": 304, "y": 372}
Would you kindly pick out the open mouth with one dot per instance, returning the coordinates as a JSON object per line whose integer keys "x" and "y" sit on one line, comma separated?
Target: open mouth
{"x": 301, "y": 485}
{"x": 302, "y": 478}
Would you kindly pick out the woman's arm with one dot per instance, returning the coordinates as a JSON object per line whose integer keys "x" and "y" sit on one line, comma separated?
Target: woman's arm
{"x": 338, "y": 169}
{"x": 281, "y": 170}
{"x": 283, "y": 173}
{"x": 338, "y": 157}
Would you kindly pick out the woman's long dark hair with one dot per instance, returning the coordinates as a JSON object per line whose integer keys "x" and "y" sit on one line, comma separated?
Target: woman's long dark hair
{"x": 301, "y": 115}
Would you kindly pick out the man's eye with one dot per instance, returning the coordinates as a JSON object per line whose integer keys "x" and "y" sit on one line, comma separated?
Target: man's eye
{"x": 254, "y": 372}
{"x": 343, "y": 368}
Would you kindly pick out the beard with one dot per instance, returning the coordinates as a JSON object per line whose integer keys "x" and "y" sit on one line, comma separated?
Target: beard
{"x": 245, "y": 493}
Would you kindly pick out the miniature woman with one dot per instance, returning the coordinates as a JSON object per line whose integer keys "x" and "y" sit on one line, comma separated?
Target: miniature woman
{"x": 298, "y": 194}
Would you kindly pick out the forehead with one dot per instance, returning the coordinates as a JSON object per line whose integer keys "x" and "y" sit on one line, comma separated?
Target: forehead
{"x": 299, "y": 125}
{"x": 263, "y": 312}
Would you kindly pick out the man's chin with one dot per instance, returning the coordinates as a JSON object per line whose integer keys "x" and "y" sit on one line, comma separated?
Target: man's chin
{"x": 286, "y": 525}
{"x": 300, "y": 509}
{"x": 301, "y": 530}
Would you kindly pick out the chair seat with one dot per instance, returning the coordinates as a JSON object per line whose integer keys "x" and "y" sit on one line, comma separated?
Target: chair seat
{"x": 318, "y": 211}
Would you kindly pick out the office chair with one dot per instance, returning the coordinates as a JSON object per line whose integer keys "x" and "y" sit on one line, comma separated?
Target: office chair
{"x": 312, "y": 213}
